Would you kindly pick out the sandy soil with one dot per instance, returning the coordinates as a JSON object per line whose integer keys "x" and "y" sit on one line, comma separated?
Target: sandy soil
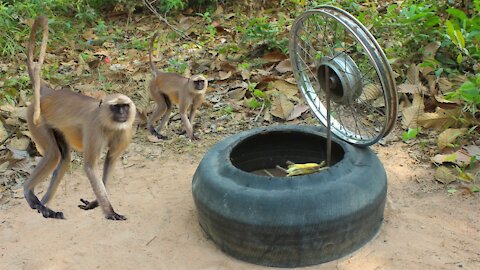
{"x": 424, "y": 227}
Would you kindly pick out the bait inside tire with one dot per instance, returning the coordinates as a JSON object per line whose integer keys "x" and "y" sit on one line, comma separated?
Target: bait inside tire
{"x": 288, "y": 221}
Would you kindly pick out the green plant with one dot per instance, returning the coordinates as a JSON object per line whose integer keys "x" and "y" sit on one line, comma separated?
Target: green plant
{"x": 12, "y": 86}
{"x": 177, "y": 65}
{"x": 469, "y": 94}
{"x": 464, "y": 32}
{"x": 263, "y": 30}
{"x": 171, "y": 5}
{"x": 410, "y": 134}
{"x": 101, "y": 28}
{"x": 258, "y": 99}
{"x": 228, "y": 110}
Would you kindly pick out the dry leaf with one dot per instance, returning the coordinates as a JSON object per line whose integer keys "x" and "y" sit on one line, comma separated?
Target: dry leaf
{"x": 153, "y": 138}
{"x": 138, "y": 76}
{"x": 371, "y": 92}
{"x": 413, "y": 75}
{"x": 281, "y": 107}
{"x": 227, "y": 67}
{"x": 224, "y": 75}
{"x": 444, "y": 175}
{"x": 20, "y": 113}
{"x": 185, "y": 22}
{"x": 237, "y": 94}
{"x": 102, "y": 52}
{"x": 411, "y": 88}
{"x": 275, "y": 56}
{"x": 412, "y": 113}
{"x": 245, "y": 74}
{"x": 89, "y": 35}
{"x": 444, "y": 85}
{"x": 291, "y": 80}
{"x": 445, "y": 103}
{"x": 284, "y": 66}
{"x": 430, "y": 50}
{"x": 3, "y": 132}
{"x": 7, "y": 108}
{"x": 448, "y": 136}
{"x": 18, "y": 154}
{"x": 19, "y": 143}
{"x": 284, "y": 87}
{"x": 3, "y": 167}
{"x": 473, "y": 150}
{"x": 267, "y": 117}
{"x": 441, "y": 119}
{"x": 459, "y": 158}
{"x": 298, "y": 110}
{"x": 219, "y": 11}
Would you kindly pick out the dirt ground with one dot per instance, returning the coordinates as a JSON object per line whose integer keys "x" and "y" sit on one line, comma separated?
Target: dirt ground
{"x": 425, "y": 228}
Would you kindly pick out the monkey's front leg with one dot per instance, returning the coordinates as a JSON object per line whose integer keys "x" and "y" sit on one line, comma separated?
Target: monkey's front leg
{"x": 188, "y": 127}
{"x": 99, "y": 188}
{"x": 186, "y": 122}
{"x": 88, "y": 205}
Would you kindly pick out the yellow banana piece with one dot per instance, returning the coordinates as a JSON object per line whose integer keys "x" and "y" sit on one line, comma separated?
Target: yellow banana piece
{"x": 305, "y": 168}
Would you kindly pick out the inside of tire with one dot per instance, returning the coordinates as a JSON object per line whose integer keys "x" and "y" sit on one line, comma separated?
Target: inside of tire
{"x": 263, "y": 152}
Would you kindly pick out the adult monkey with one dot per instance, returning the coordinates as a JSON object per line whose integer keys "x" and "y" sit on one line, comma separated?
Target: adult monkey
{"x": 62, "y": 119}
{"x": 167, "y": 88}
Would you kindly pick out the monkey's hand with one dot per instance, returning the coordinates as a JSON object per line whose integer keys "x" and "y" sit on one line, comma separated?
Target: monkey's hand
{"x": 115, "y": 216}
{"x": 88, "y": 205}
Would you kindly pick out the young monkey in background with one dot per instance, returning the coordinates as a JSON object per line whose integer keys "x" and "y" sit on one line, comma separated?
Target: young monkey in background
{"x": 167, "y": 88}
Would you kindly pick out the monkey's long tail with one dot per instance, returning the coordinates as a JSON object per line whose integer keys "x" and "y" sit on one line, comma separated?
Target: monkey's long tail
{"x": 152, "y": 65}
{"x": 34, "y": 70}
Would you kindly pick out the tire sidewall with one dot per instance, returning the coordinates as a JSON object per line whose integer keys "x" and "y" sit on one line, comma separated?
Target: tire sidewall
{"x": 353, "y": 183}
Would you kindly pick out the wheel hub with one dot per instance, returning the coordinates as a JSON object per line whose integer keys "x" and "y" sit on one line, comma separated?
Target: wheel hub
{"x": 344, "y": 78}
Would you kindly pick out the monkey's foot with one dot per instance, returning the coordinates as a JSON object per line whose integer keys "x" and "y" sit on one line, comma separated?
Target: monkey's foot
{"x": 161, "y": 137}
{"x": 41, "y": 208}
{"x": 88, "y": 205}
{"x": 181, "y": 132}
{"x": 49, "y": 213}
{"x": 156, "y": 134}
{"x": 115, "y": 216}
{"x": 193, "y": 137}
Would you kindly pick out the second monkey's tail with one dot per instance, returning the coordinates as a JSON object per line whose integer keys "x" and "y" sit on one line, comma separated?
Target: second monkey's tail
{"x": 152, "y": 65}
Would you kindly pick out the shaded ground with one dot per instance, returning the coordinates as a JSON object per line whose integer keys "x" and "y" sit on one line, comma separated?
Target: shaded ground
{"x": 424, "y": 227}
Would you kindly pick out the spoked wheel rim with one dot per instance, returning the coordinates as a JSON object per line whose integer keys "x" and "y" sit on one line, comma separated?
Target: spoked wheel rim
{"x": 360, "y": 80}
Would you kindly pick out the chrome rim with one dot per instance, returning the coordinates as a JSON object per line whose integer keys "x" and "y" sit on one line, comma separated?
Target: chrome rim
{"x": 361, "y": 85}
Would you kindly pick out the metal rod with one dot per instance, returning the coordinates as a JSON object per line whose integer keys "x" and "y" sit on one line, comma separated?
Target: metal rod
{"x": 329, "y": 128}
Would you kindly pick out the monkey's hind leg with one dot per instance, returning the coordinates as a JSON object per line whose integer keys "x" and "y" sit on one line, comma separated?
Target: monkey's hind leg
{"x": 163, "y": 110}
{"x": 47, "y": 164}
{"x": 62, "y": 167}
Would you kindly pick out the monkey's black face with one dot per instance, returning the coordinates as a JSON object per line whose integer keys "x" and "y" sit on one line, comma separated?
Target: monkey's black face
{"x": 120, "y": 112}
{"x": 199, "y": 84}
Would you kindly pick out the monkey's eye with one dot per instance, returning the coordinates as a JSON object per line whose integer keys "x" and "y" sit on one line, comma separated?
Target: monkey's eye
{"x": 199, "y": 84}
{"x": 119, "y": 108}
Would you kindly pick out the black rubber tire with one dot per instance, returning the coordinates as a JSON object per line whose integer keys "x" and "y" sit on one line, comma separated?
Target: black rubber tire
{"x": 294, "y": 221}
